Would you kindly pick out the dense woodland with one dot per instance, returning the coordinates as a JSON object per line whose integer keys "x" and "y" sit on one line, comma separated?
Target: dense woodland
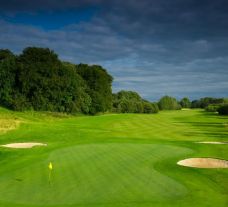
{"x": 38, "y": 80}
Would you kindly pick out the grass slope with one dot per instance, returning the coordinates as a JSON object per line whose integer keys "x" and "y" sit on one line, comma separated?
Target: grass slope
{"x": 125, "y": 160}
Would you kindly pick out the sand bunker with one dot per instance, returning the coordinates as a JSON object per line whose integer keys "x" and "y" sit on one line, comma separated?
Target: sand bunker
{"x": 23, "y": 145}
{"x": 204, "y": 163}
{"x": 212, "y": 142}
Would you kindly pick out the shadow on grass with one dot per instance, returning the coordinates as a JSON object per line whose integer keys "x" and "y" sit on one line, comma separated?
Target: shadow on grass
{"x": 207, "y": 134}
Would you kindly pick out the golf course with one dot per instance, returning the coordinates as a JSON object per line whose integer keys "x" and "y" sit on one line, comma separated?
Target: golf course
{"x": 112, "y": 160}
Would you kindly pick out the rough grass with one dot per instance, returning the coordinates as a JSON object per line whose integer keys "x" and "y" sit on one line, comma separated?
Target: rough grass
{"x": 124, "y": 160}
{"x": 7, "y": 124}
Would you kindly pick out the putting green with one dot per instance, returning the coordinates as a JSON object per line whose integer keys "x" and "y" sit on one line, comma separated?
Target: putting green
{"x": 96, "y": 173}
{"x": 126, "y": 160}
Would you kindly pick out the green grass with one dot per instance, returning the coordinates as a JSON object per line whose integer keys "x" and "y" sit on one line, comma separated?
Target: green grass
{"x": 124, "y": 160}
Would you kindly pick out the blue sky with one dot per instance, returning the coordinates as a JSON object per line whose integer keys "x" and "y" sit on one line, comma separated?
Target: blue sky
{"x": 177, "y": 48}
{"x": 50, "y": 20}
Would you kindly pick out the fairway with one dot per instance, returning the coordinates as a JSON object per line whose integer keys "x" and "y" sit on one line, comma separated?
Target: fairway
{"x": 112, "y": 160}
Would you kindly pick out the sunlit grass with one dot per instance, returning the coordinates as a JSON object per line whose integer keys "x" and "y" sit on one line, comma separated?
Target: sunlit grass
{"x": 122, "y": 160}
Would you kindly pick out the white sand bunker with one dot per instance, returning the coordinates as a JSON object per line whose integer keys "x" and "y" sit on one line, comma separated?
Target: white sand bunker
{"x": 212, "y": 142}
{"x": 24, "y": 145}
{"x": 204, "y": 163}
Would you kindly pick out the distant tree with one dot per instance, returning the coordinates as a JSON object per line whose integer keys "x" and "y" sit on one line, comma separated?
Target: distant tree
{"x": 129, "y": 95}
{"x": 7, "y": 78}
{"x": 225, "y": 100}
{"x": 127, "y": 102}
{"x": 149, "y": 108}
{"x": 168, "y": 103}
{"x": 223, "y": 110}
{"x": 5, "y": 54}
{"x": 185, "y": 103}
{"x": 204, "y": 102}
{"x": 131, "y": 102}
{"x": 195, "y": 104}
{"x": 38, "y": 80}
{"x": 139, "y": 107}
{"x": 213, "y": 107}
{"x": 99, "y": 86}
{"x": 155, "y": 107}
{"x": 125, "y": 106}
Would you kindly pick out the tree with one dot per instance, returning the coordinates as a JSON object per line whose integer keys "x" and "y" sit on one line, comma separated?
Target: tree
{"x": 213, "y": 107}
{"x": 204, "y": 102}
{"x": 7, "y": 78}
{"x": 223, "y": 110}
{"x": 168, "y": 103}
{"x": 99, "y": 87}
{"x": 127, "y": 102}
{"x": 38, "y": 80}
{"x": 195, "y": 104}
{"x": 131, "y": 102}
{"x": 185, "y": 103}
{"x": 149, "y": 108}
{"x": 5, "y": 54}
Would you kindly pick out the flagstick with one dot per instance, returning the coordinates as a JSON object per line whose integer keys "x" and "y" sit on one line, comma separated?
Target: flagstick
{"x": 50, "y": 169}
{"x": 49, "y": 177}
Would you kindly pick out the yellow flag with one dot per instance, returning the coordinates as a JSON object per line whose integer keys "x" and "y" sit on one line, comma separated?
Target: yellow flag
{"x": 50, "y": 166}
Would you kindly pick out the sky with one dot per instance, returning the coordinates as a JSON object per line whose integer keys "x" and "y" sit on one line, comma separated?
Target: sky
{"x": 155, "y": 47}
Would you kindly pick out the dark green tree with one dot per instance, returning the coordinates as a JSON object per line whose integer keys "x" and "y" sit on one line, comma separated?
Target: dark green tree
{"x": 38, "y": 80}
{"x": 99, "y": 87}
{"x": 223, "y": 110}
{"x": 204, "y": 102}
{"x": 185, "y": 103}
{"x": 149, "y": 108}
{"x": 7, "y": 78}
{"x": 168, "y": 103}
{"x": 213, "y": 107}
{"x": 195, "y": 104}
{"x": 5, "y": 53}
{"x": 127, "y": 102}
{"x": 131, "y": 102}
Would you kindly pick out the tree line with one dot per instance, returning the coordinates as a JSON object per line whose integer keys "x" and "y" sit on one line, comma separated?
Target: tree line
{"x": 211, "y": 104}
{"x": 38, "y": 80}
